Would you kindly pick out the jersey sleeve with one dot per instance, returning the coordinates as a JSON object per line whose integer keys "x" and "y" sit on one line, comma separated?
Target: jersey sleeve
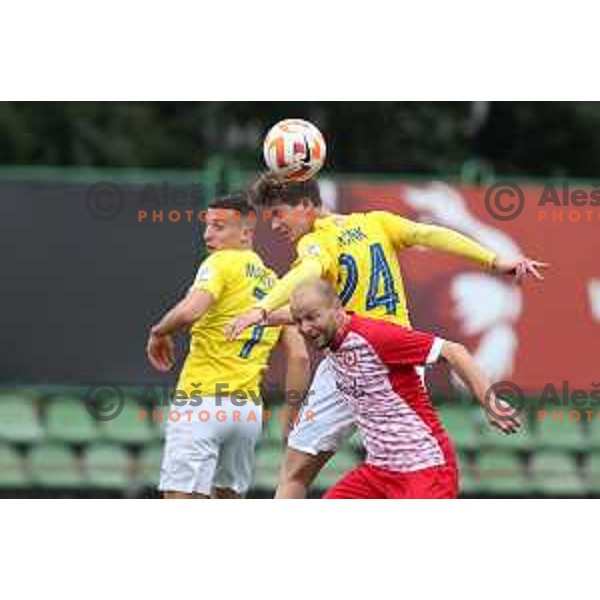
{"x": 282, "y": 290}
{"x": 314, "y": 259}
{"x": 212, "y": 275}
{"x": 399, "y": 345}
{"x": 405, "y": 233}
{"x": 316, "y": 246}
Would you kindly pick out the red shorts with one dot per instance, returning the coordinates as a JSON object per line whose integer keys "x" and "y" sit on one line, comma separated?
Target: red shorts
{"x": 367, "y": 481}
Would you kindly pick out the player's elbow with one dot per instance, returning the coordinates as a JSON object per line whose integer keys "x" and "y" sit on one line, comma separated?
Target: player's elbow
{"x": 187, "y": 317}
{"x": 453, "y": 352}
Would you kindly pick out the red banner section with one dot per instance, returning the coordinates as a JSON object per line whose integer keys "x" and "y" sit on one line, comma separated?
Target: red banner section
{"x": 533, "y": 335}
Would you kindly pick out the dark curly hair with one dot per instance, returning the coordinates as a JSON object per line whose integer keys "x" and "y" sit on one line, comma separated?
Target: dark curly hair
{"x": 267, "y": 190}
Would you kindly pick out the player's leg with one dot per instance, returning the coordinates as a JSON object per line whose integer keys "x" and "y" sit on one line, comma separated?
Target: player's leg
{"x": 190, "y": 454}
{"x": 324, "y": 423}
{"x": 298, "y": 471}
{"x": 235, "y": 466}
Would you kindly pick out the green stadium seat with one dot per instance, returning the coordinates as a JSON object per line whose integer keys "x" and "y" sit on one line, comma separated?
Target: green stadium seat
{"x": 468, "y": 481}
{"x": 67, "y": 420}
{"x": 107, "y": 466}
{"x": 593, "y": 438}
{"x": 461, "y": 424}
{"x": 555, "y": 472}
{"x": 591, "y": 472}
{"x": 12, "y": 471}
{"x": 55, "y": 465}
{"x": 128, "y": 427}
{"x": 272, "y": 428}
{"x": 148, "y": 465}
{"x": 492, "y": 438}
{"x": 342, "y": 461}
{"x": 266, "y": 467}
{"x": 559, "y": 434}
{"x": 19, "y": 420}
{"x": 501, "y": 472}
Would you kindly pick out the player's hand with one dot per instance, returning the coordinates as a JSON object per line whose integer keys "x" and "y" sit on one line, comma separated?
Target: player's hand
{"x": 523, "y": 267}
{"x": 501, "y": 415}
{"x": 234, "y": 329}
{"x": 160, "y": 350}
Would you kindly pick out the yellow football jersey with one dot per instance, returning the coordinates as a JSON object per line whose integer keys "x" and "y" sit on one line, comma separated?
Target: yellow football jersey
{"x": 360, "y": 260}
{"x": 237, "y": 279}
{"x": 357, "y": 253}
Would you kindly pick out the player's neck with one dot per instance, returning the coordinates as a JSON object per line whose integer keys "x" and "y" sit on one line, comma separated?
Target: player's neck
{"x": 342, "y": 321}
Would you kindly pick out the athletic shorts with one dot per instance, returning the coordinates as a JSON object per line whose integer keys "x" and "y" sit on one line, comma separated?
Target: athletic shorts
{"x": 210, "y": 446}
{"x": 367, "y": 481}
{"x": 331, "y": 422}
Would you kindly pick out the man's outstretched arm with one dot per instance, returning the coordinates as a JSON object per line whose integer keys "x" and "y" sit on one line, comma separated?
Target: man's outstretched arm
{"x": 277, "y": 297}
{"x": 497, "y": 411}
{"x": 406, "y": 233}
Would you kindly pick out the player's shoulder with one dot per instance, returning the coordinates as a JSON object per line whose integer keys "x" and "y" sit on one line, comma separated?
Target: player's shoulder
{"x": 320, "y": 240}
{"x": 371, "y": 219}
{"x": 233, "y": 261}
{"x": 221, "y": 258}
{"x": 374, "y": 329}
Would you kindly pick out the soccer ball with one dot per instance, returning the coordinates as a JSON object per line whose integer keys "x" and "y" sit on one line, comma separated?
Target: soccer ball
{"x": 294, "y": 150}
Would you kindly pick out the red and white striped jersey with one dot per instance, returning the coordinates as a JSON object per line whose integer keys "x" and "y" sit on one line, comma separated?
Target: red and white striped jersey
{"x": 375, "y": 364}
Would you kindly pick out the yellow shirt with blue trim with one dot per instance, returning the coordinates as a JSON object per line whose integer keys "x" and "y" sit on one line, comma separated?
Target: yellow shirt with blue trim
{"x": 236, "y": 279}
{"x": 357, "y": 253}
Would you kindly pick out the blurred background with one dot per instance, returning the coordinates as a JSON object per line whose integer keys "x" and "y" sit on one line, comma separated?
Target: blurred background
{"x": 84, "y": 275}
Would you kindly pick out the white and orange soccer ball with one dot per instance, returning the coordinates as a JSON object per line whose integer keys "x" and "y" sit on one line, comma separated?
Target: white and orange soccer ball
{"x": 294, "y": 150}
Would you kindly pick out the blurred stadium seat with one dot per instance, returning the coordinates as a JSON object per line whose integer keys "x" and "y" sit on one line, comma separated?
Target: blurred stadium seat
{"x": 12, "y": 468}
{"x": 559, "y": 434}
{"x": 461, "y": 424}
{"x": 19, "y": 419}
{"x": 128, "y": 428}
{"x": 107, "y": 466}
{"x": 55, "y": 465}
{"x": 555, "y": 473}
{"x": 500, "y": 472}
{"x": 67, "y": 420}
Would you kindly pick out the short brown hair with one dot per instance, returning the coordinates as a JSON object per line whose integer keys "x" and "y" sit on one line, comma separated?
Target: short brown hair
{"x": 237, "y": 201}
{"x": 268, "y": 190}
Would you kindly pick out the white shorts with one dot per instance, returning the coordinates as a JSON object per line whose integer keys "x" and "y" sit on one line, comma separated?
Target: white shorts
{"x": 208, "y": 446}
{"x": 332, "y": 420}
